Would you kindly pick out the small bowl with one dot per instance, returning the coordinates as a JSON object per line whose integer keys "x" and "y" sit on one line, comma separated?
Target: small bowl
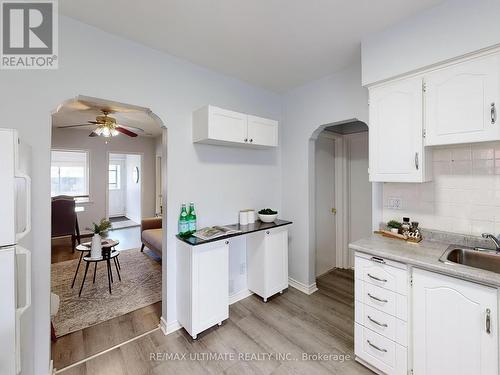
{"x": 267, "y": 218}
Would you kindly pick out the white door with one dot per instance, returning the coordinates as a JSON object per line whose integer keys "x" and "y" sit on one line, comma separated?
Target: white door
{"x": 325, "y": 203}
{"x": 262, "y": 131}
{"x": 455, "y": 326}
{"x": 227, "y": 125}
{"x": 7, "y": 311}
{"x": 396, "y": 126}
{"x": 117, "y": 185}
{"x": 133, "y": 195}
{"x": 462, "y": 102}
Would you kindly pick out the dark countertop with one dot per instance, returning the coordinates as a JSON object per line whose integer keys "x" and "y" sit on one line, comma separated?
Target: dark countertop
{"x": 245, "y": 229}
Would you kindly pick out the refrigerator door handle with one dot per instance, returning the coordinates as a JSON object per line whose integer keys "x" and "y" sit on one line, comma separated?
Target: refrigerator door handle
{"x": 20, "y": 311}
{"x": 27, "y": 228}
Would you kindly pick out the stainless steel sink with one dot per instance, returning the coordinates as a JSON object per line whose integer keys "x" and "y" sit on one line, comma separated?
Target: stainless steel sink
{"x": 485, "y": 259}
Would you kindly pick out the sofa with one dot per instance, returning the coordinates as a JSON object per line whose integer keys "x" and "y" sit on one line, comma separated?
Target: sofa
{"x": 151, "y": 234}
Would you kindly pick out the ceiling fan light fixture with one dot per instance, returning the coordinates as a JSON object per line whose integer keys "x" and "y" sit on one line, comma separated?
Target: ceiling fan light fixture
{"x": 114, "y": 132}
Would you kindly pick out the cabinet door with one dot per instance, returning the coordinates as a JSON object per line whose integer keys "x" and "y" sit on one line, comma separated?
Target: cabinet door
{"x": 396, "y": 126}
{"x": 210, "y": 284}
{"x": 455, "y": 326}
{"x": 228, "y": 126}
{"x": 276, "y": 250}
{"x": 461, "y": 102}
{"x": 262, "y": 131}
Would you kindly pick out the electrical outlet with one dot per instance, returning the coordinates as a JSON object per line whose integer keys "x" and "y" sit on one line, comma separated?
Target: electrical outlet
{"x": 395, "y": 203}
{"x": 243, "y": 268}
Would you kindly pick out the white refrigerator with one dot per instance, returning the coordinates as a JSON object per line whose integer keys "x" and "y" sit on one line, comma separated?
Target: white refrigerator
{"x": 15, "y": 261}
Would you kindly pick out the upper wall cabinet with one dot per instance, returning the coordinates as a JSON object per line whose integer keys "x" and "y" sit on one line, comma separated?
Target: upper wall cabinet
{"x": 219, "y": 126}
{"x": 397, "y": 152}
{"x": 461, "y": 102}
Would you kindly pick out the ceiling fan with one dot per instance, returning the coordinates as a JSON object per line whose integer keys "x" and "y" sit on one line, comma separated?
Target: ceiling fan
{"x": 107, "y": 126}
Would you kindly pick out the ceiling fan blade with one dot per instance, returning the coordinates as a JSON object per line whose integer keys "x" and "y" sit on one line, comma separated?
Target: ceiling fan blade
{"x": 93, "y": 134}
{"x": 94, "y": 122}
{"x": 72, "y": 126}
{"x": 125, "y": 131}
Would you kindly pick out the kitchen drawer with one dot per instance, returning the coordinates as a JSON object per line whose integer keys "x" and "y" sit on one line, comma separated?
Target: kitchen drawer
{"x": 384, "y": 273}
{"x": 381, "y": 299}
{"x": 384, "y": 324}
{"x": 380, "y": 352}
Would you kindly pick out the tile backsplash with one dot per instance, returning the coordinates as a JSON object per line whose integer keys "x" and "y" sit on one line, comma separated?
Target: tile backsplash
{"x": 464, "y": 196}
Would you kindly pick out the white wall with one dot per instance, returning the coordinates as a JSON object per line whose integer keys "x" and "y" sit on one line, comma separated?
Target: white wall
{"x": 451, "y": 29}
{"x": 98, "y": 153}
{"x": 360, "y": 192}
{"x": 219, "y": 180}
{"x": 335, "y": 98}
{"x": 464, "y": 196}
{"x": 133, "y": 193}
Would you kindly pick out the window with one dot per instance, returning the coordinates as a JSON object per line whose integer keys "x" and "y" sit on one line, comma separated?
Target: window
{"x": 69, "y": 173}
{"x": 114, "y": 179}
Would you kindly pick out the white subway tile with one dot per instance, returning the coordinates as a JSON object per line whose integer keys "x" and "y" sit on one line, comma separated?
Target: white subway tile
{"x": 461, "y": 167}
{"x": 461, "y": 153}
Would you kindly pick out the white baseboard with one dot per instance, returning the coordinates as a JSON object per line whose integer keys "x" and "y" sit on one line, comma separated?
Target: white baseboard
{"x": 307, "y": 289}
{"x": 238, "y": 296}
{"x": 168, "y": 328}
{"x": 52, "y": 370}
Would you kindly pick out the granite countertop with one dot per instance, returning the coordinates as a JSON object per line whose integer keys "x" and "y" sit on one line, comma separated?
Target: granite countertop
{"x": 423, "y": 255}
{"x": 245, "y": 229}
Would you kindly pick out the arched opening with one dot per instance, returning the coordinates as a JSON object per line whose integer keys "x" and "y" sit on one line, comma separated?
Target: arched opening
{"x": 108, "y": 162}
{"x": 340, "y": 197}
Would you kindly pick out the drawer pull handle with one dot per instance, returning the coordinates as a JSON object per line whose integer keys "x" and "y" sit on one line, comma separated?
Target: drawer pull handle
{"x": 376, "y": 278}
{"x": 377, "y": 323}
{"x": 377, "y": 260}
{"x": 377, "y": 299}
{"x": 376, "y": 347}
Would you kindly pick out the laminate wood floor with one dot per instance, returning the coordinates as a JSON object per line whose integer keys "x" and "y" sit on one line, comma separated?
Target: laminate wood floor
{"x": 285, "y": 327}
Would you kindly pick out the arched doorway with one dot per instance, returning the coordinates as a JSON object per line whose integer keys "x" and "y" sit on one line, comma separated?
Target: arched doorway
{"x": 100, "y": 147}
{"x": 339, "y": 193}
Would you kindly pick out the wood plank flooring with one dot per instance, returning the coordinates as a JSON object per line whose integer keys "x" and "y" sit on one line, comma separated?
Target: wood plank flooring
{"x": 285, "y": 327}
{"x": 82, "y": 344}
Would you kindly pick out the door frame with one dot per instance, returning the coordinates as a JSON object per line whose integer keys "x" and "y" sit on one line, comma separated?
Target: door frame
{"x": 341, "y": 198}
{"x": 141, "y": 154}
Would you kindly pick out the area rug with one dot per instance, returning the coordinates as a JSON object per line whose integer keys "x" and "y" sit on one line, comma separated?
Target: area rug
{"x": 140, "y": 286}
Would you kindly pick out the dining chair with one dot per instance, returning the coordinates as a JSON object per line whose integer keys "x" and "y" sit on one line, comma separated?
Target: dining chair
{"x": 64, "y": 219}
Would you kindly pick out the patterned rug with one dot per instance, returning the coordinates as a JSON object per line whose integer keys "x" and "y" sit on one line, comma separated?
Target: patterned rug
{"x": 140, "y": 286}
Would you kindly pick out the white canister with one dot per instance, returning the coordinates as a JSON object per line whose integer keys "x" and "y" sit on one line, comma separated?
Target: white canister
{"x": 243, "y": 218}
{"x": 251, "y": 216}
{"x": 96, "y": 248}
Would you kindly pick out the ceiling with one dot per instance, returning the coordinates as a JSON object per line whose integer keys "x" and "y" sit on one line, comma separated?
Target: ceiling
{"x": 85, "y": 108}
{"x": 275, "y": 44}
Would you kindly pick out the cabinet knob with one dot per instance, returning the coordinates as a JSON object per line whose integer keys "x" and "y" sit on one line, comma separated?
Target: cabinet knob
{"x": 251, "y": 140}
{"x": 493, "y": 112}
{"x": 227, "y": 242}
{"x": 267, "y": 232}
{"x": 246, "y": 139}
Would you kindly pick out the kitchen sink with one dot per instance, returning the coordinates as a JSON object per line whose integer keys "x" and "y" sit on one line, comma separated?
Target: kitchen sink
{"x": 485, "y": 259}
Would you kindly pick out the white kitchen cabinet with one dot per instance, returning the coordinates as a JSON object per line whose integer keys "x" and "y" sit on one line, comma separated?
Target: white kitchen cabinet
{"x": 262, "y": 131}
{"x": 202, "y": 285}
{"x": 455, "y": 326}
{"x": 397, "y": 152}
{"x": 217, "y": 126}
{"x": 267, "y": 262}
{"x": 381, "y": 314}
{"x": 461, "y": 102}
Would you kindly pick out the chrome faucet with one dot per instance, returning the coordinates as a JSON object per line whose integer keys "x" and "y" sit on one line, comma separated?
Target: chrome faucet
{"x": 495, "y": 239}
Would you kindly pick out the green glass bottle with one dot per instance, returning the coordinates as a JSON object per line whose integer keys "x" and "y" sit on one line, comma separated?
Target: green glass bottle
{"x": 183, "y": 221}
{"x": 192, "y": 218}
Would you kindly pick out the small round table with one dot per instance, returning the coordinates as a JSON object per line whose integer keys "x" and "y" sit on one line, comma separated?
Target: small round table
{"x": 85, "y": 248}
{"x": 106, "y": 257}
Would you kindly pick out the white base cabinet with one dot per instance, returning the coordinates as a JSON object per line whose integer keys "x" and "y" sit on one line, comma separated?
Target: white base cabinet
{"x": 202, "y": 285}
{"x": 455, "y": 326}
{"x": 381, "y": 314}
{"x": 267, "y": 262}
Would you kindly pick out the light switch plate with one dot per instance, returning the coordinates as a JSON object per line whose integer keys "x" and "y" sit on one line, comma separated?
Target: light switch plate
{"x": 395, "y": 203}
